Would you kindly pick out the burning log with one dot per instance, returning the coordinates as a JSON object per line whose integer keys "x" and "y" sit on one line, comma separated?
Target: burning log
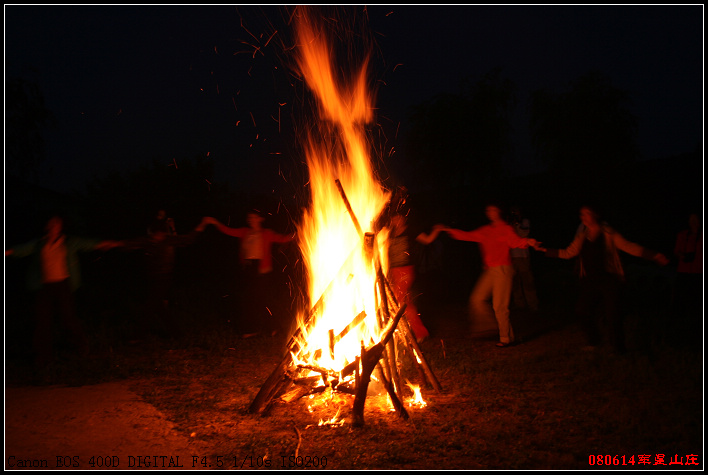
{"x": 395, "y": 400}
{"x": 369, "y": 360}
{"x": 349, "y": 207}
{"x": 408, "y": 334}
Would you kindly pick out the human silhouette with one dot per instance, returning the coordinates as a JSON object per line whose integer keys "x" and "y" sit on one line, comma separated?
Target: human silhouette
{"x": 255, "y": 254}
{"x": 601, "y": 277}
{"x": 401, "y": 268}
{"x": 54, "y": 275}
{"x": 159, "y": 248}
{"x": 495, "y": 240}
{"x": 689, "y": 276}
{"x": 524, "y": 288}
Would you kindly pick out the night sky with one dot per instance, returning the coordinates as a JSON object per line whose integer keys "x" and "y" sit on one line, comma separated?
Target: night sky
{"x": 132, "y": 84}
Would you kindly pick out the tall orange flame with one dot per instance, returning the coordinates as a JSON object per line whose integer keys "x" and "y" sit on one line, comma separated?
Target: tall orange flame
{"x": 338, "y": 269}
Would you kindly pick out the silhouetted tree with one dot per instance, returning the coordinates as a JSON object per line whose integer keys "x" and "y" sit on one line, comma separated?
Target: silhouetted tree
{"x": 25, "y": 115}
{"x": 587, "y": 132}
{"x": 462, "y": 140}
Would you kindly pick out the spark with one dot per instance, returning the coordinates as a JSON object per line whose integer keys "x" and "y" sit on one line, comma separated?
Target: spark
{"x": 254, "y": 37}
{"x": 253, "y": 119}
{"x": 399, "y": 64}
{"x": 271, "y": 37}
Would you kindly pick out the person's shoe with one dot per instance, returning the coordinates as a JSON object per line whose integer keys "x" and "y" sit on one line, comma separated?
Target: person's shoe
{"x": 501, "y": 344}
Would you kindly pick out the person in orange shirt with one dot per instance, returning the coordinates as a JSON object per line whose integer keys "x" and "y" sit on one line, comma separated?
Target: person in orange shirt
{"x": 54, "y": 276}
{"x": 255, "y": 254}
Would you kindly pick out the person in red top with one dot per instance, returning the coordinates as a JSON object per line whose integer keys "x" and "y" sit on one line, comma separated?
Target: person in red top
{"x": 495, "y": 240}
{"x": 256, "y": 258}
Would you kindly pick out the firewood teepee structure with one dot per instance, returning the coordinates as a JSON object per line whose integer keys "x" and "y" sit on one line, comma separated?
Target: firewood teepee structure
{"x": 292, "y": 379}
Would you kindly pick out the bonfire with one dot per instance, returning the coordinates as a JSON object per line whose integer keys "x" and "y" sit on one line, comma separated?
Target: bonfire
{"x": 356, "y": 330}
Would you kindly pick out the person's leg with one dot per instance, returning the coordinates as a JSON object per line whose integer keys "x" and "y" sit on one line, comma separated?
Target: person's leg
{"x": 614, "y": 316}
{"x": 503, "y": 279}
{"x": 250, "y": 315}
{"x": 42, "y": 339}
{"x": 402, "y": 281}
{"x": 481, "y": 314}
{"x": 518, "y": 287}
{"x": 67, "y": 311}
{"x": 584, "y": 309}
{"x": 528, "y": 285}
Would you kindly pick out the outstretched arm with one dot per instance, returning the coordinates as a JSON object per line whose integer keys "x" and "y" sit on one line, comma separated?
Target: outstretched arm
{"x": 460, "y": 235}
{"x": 235, "y": 232}
{"x": 106, "y": 245}
{"x": 638, "y": 250}
{"x": 428, "y": 238}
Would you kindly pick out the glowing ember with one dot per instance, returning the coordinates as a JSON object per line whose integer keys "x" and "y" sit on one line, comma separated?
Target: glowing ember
{"x": 417, "y": 399}
{"x": 340, "y": 273}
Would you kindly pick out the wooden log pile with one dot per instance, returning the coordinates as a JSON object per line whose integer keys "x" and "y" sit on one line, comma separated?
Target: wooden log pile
{"x": 291, "y": 380}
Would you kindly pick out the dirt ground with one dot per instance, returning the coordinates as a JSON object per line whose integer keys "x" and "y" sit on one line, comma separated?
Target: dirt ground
{"x": 542, "y": 404}
{"x": 90, "y": 427}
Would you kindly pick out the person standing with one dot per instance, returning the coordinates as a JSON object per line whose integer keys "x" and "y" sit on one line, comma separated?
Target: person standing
{"x": 689, "y": 274}
{"x": 524, "y": 289}
{"x": 255, "y": 254}
{"x": 159, "y": 247}
{"x": 54, "y": 276}
{"x": 601, "y": 276}
{"x": 495, "y": 240}
{"x": 401, "y": 267}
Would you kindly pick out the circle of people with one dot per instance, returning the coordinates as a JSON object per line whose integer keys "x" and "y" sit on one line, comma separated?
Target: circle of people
{"x": 54, "y": 271}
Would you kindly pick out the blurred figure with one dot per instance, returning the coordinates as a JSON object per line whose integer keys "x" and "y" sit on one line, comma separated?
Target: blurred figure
{"x": 255, "y": 253}
{"x": 524, "y": 288}
{"x": 689, "y": 275}
{"x": 160, "y": 247}
{"x": 161, "y": 217}
{"x": 401, "y": 268}
{"x": 495, "y": 240}
{"x": 54, "y": 276}
{"x": 601, "y": 276}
